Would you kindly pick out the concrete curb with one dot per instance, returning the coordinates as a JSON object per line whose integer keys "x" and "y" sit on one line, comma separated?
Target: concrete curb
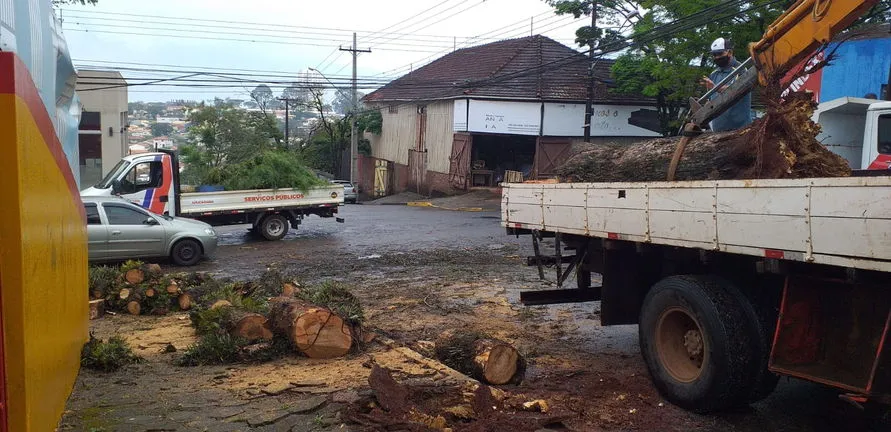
{"x": 430, "y": 204}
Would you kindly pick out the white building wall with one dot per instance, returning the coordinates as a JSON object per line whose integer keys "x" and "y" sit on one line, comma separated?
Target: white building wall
{"x": 111, "y": 104}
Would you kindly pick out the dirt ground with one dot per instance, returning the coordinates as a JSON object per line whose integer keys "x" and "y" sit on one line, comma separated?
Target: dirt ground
{"x": 418, "y": 272}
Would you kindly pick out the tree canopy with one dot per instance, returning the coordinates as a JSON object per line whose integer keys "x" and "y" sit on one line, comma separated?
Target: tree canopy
{"x": 161, "y": 129}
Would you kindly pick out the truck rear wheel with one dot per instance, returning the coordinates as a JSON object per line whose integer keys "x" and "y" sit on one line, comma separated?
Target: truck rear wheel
{"x": 274, "y": 227}
{"x": 697, "y": 343}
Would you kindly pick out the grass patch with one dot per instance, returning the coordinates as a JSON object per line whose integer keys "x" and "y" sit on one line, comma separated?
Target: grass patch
{"x": 107, "y": 356}
{"x": 338, "y": 298}
{"x": 103, "y": 281}
{"x": 131, "y": 265}
{"x": 212, "y": 349}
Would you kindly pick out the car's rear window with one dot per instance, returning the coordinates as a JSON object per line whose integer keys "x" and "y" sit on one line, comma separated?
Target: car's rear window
{"x": 92, "y": 214}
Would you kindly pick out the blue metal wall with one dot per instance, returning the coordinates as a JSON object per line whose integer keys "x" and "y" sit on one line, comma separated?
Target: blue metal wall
{"x": 860, "y": 67}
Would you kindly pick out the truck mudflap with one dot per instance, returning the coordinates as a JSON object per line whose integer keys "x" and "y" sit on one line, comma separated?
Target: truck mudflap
{"x": 834, "y": 333}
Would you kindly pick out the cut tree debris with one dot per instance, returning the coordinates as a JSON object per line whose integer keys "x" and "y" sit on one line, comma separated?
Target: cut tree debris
{"x": 315, "y": 331}
{"x": 782, "y": 144}
{"x": 479, "y": 356}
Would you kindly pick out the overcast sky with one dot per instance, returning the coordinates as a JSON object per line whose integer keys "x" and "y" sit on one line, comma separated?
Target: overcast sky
{"x": 187, "y": 35}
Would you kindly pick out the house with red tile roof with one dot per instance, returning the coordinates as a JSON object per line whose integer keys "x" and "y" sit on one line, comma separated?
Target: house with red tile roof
{"x": 466, "y": 118}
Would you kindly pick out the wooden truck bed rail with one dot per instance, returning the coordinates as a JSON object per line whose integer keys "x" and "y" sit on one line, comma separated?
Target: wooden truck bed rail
{"x": 833, "y": 221}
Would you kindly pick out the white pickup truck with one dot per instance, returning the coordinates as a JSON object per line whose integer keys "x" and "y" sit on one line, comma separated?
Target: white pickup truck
{"x": 151, "y": 180}
{"x": 733, "y": 283}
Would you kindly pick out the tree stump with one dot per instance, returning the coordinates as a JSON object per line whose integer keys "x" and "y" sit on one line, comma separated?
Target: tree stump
{"x": 476, "y": 355}
{"x": 316, "y": 332}
{"x": 494, "y": 361}
{"x": 97, "y": 308}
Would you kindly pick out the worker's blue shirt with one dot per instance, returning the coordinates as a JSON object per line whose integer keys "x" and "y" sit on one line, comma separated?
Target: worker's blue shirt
{"x": 737, "y": 116}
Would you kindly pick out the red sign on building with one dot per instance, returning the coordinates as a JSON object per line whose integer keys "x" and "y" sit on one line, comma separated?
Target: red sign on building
{"x": 809, "y": 81}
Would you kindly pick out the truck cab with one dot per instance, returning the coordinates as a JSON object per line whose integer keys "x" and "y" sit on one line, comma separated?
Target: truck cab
{"x": 858, "y": 130}
{"x": 147, "y": 180}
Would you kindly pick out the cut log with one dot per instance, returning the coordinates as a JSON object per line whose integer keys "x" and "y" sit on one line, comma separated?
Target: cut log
{"x": 97, "y": 308}
{"x": 486, "y": 359}
{"x": 124, "y": 293}
{"x": 149, "y": 292}
{"x": 782, "y": 144}
{"x": 184, "y": 301}
{"x": 496, "y": 362}
{"x": 315, "y": 331}
{"x": 220, "y": 303}
{"x": 133, "y": 307}
{"x": 151, "y": 271}
{"x": 248, "y": 326}
{"x": 134, "y": 276}
{"x": 173, "y": 288}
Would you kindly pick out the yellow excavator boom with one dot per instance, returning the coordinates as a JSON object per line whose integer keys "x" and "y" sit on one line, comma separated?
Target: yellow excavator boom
{"x": 804, "y": 27}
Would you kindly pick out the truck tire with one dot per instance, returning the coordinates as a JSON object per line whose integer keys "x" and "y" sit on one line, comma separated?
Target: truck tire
{"x": 763, "y": 316}
{"x": 186, "y": 252}
{"x": 697, "y": 341}
{"x": 274, "y": 227}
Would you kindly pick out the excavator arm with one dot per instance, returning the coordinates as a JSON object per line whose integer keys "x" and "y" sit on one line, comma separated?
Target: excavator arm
{"x": 804, "y": 27}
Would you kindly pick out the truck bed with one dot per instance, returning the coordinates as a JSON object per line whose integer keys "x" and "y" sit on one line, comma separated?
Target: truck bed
{"x": 833, "y": 221}
{"x": 210, "y": 203}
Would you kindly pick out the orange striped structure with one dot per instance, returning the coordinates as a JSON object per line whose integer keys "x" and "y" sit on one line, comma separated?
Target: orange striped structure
{"x": 43, "y": 260}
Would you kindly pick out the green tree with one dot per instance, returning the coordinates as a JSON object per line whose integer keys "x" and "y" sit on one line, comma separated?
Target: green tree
{"x": 221, "y": 135}
{"x": 161, "y": 129}
{"x": 669, "y": 67}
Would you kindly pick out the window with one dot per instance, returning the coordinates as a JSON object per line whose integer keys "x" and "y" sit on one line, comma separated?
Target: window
{"x": 393, "y": 109}
{"x": 90, "y": 121}
{"x": 120, "y": 215}
{"x": 92, "y": 214}
{"x": 885, "y": 134}
{"x": 146, "y": 175}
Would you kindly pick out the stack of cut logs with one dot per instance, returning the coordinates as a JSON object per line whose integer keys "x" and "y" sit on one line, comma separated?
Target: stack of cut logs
{"x": 139, "y": 289}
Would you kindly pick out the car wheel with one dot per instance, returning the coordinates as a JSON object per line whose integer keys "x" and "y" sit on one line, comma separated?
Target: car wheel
{"x": 696, "y": 339}
{"x": 186, "y": 252}
{"x": 274, "y": 227}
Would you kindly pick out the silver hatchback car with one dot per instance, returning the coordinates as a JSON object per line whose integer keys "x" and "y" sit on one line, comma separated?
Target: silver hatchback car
{"x": 119, "y": 230}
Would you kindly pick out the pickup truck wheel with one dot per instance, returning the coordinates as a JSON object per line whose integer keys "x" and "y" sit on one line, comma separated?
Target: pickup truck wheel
{"x": 696, "y": 339}
{"x": 274, "y": 227}
{"x": 186, "y": 252}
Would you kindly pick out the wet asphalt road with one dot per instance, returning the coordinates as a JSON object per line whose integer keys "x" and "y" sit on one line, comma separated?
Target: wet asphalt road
{"x": 376, "y": 229}
{"x": 371, "y": 229}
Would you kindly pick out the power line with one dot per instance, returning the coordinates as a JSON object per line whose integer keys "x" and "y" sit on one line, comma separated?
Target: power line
{"x": 434, "y": 16}
{"x": 192, "y": 21}
{"x": 219, "y": 39}
{"x": 407, "y": 19}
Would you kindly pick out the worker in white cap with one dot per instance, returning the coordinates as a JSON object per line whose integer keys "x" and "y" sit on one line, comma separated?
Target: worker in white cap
{"x": 740, "y": 114}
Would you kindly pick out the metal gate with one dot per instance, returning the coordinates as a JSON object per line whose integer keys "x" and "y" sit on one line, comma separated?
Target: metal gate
{"x": 550, "y": 153}
{"x": 417, "y": 171}
{"x": 459, "y": 162}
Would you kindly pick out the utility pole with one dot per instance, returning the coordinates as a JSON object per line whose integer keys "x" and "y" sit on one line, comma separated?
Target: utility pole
{"x": 532, "y": 26}
{"x": 287, "y": 120}
{"x": 354, "y": 132}
{"x": 590, "y": 99}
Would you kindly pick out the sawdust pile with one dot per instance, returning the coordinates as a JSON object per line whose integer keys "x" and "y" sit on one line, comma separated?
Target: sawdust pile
{"x": 782, "y": 144}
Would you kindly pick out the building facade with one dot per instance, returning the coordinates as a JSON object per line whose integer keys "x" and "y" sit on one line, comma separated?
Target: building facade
{"x": 478, "y": 114}
{"x": 103, "y": 138}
